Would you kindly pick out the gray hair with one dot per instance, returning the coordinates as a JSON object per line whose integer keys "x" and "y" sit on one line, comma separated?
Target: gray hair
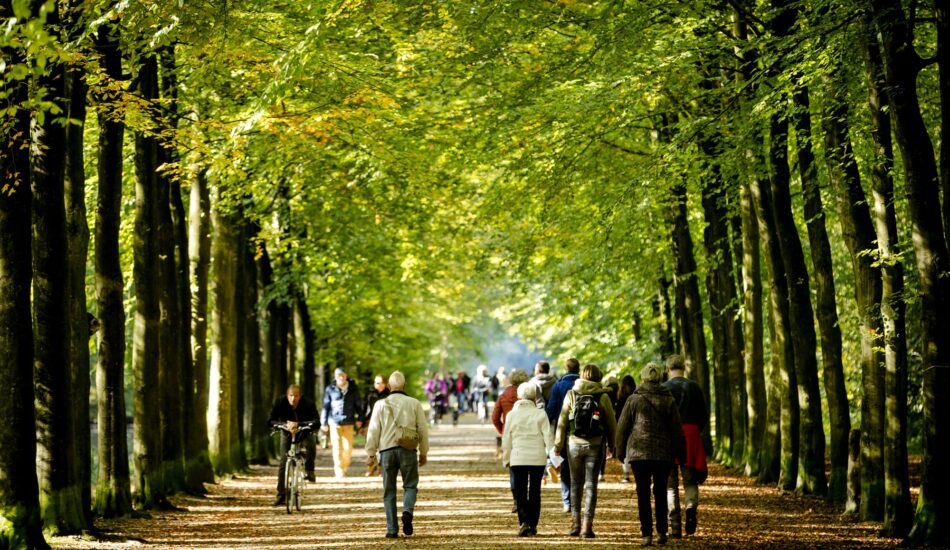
{"x": 528, "y": 391}
{"x": 517, "y": 377}
{"x": 651, "y": 373}
{"x": 397, "y": 381}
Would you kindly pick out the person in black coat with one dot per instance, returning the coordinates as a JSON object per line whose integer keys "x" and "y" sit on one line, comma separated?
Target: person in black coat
{"x": 289, "y": 412}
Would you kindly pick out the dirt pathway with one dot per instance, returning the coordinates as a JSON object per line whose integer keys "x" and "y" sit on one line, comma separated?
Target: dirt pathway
{"x": 464, "y": 501}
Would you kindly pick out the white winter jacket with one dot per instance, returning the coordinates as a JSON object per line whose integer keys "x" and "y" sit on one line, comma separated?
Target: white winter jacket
{"x": 527, "y": 438}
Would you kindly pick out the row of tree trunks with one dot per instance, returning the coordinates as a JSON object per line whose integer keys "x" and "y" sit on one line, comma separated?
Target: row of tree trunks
{"x": 19, "y": 502}
{"x": 902, "y": 65}
{"x": 113, "y": 485}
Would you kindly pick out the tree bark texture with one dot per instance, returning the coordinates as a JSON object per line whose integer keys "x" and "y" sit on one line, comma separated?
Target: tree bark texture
{"x": 753, "y": 354}
{"x": 255, "y": 412}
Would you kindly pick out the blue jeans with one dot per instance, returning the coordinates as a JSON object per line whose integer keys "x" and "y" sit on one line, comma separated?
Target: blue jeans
{"x": 406, "y": 463}
{"x": 566, "y": 481}
{"x": 585, "y": 469}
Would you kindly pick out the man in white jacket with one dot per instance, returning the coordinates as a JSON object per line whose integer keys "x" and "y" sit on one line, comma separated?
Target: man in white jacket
{"x": 397, "y": 429}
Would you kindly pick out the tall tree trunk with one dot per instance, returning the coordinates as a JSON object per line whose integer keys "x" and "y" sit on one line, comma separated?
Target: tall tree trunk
{"x": 224, "y": 339}
{"x": 19, "y": 502}
{"x": 902, "y": 64}
{"x": 77, "y": 238}
{"x": 242, "y": 319}
{"x": 858, "y": 233}
{"x": 255, "y": 409}
{"x": 942, "y": 13}
{"x": 199, "y": 468}
{"x": 757, "y": 447}
{"x": 113, "y": 484}
{"x": 811, "y": 452}
{"x": 305, "y": 338}
{"x": 169, "y": 336}
{"x": 891, "y": 396}
{"x": 60, "y": 496}
{"x": 753, "y": 354}
{"x": 782, "y": 376}
{"x": 148, "y": 484}
{"x": 826, "y": 306}
{"x": 688, "y": 304}
{"x": 663, "y": 317}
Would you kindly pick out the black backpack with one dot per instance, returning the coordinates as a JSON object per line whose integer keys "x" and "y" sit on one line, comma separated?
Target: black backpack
{"x": 586, "y": 416}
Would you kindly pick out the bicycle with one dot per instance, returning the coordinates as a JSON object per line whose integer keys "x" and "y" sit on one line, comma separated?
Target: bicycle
{"x": 295, "y": 480}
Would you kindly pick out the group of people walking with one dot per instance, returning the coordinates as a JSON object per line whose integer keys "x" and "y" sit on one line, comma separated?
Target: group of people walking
{"x": 546, "y": 426}
{"x": 657, "y": 438}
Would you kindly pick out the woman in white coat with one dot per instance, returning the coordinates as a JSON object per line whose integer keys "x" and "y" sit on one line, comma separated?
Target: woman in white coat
{"x": 525, "y": 445}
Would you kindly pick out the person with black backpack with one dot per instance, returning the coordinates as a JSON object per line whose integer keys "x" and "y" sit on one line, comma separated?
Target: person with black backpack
{"x": 586, "y": 423}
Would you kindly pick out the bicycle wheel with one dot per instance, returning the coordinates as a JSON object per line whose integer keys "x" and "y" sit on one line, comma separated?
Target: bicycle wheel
{"x": 290, "y": 483}
{"x": 298, "y": 493}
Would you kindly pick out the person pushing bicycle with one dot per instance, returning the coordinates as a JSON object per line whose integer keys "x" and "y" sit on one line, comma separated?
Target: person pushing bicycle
{"x": 290, "y": 412}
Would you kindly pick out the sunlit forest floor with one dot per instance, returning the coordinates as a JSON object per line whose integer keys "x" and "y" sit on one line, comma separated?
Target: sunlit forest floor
{"x": 464, "y": 501}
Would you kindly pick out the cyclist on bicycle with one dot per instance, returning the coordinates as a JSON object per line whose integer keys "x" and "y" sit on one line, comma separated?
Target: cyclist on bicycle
{"x": 291, "y": 411}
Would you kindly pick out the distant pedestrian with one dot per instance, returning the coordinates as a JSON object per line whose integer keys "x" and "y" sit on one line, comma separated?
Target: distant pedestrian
{"x": 587, "y": 418}
{"x": 526, "y": 442}
{"x": 341, "y": 412}
{"x": 544, "y": 380}
{"x": 627, "y": 385}
{"x": 481, "y": 391}
{"x": 398, "y": 431}
{"x": 553, "y": 410}
{"x": 650, "y": 436}
{"x": 691, "y": 405}
{"x": 380, "y": 391}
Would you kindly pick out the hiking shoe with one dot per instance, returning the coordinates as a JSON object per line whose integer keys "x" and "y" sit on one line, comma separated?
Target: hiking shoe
{"x": 392, "y": 535}
{"x": 690, "y": 526}
{"x": 647, "y": 541}
{"x": 407, "y": 523}
{"x": 525, "y": 530}
{"x": 533, "y": 532}
{"x": 661, "y": 539}
{"x": 281, "y": 499}
{"x": 311, "y": 477}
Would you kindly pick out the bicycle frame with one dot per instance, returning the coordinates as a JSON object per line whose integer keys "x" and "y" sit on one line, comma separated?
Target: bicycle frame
{"x": 295, "y": 480}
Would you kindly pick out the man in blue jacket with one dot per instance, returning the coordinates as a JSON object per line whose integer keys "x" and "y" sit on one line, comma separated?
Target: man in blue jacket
{"x": 341, "y": 411}
{"x": 553, "y": 410}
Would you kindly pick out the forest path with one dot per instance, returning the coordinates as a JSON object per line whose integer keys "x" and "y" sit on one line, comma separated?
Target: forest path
{"x": 464, "y": 501}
